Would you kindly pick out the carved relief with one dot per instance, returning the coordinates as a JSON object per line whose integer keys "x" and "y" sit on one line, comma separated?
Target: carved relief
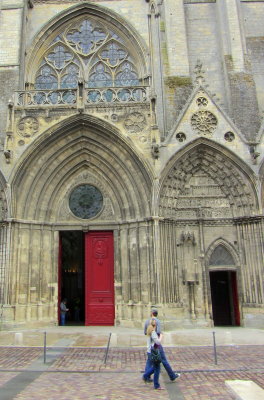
{"x": 202, "y": 102}
{"x": 204, "y": 122}
{"x": 135, "y": 122}
{"x": 180, "y": 136}
{"x": 229, "y": 136}
{"x": 28, "y": 126}
{"x": 205, "y": 184}
{"x": 100, "y": 251}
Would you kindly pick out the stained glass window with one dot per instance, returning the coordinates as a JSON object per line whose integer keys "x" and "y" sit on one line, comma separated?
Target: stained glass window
{"x": 221, "y": 256}
{"x": 90, "y": 51}
{"x": 70, "y": 78}
{"x": 86, "y": 201}
{"x": 46, "y": 79}
{"x": 113, "y": 54}
{"x": 59, "y": 57}
{"x": 86, "y": 37}
{"x": 100, "y": 77}
{"x": 127, "y": 76}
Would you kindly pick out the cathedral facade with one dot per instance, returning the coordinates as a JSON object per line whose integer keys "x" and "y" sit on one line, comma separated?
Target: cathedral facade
{"x": 131, "y": 161}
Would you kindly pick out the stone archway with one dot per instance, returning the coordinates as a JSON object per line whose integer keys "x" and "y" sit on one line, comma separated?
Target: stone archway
{"x": 81, "y": 151}
{"x": 203, "y": 190}
{"x": 223, "y": 281}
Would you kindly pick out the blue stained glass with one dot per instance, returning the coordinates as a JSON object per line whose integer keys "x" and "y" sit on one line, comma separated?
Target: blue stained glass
{"x": 86, "y": 201}
{"x": 40, "y": 98}
{"x": 108, "y": 95}
{"x": 94, "y": 96}
{"x": 124, "y": 95}
{"x": 139, "y": 95}
{"x": 127, "y": 77}
{"x": 113, "y": 54}
{"x": 46, "y": 79}
{"x": 86, "y": 38}
{"x": 100, "y": 78}
{"x": 53, "y": 97}
{"x": 59, "y": 57}
{"x": 69, "y": 97}
{"x": 70, "y": 79}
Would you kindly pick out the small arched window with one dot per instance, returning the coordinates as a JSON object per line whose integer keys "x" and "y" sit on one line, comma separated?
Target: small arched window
{"x": 221, "y": 256}
{"x": 88, "y": 51}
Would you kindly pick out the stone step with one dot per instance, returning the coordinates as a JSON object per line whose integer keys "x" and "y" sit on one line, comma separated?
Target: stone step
{"x": 245, "y": 390}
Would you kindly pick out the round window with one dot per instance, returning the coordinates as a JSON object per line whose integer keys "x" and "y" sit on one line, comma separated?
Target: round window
{"x": 86, "y": 201}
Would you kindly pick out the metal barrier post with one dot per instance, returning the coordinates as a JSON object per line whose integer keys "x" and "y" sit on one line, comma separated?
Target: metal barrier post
{"x": 45, "y": 346}
{"x": 108, "y": 344}
{"x": 215, "y": 355}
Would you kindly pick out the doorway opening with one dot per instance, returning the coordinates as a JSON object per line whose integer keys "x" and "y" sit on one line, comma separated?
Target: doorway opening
{"x": 86, "y": 277}
{"x": 224, "y": 298}
{"x": 71, "y": 275}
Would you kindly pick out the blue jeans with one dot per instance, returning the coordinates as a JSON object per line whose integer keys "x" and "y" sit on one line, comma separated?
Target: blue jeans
{"x": 165, "y": 363}
{"x": 152, "y": 368}
{"x": 62, "y": 319}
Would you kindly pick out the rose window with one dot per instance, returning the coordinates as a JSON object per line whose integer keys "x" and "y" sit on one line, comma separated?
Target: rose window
{"x": 204, "y": 122}
{"x": 86, "y": 201}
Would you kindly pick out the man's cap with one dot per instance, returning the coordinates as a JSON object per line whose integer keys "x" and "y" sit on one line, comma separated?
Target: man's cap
{"x": 154, "y": 310}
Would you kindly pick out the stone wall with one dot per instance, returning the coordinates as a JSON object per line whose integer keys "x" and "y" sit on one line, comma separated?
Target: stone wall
{"x": 177, "y": 160}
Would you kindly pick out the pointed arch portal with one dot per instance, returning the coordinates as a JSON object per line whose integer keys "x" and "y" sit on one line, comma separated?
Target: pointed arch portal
{"x": 78, "y": 183}
{"x": 223, "y": 286}
{"x": 86, "y": 276}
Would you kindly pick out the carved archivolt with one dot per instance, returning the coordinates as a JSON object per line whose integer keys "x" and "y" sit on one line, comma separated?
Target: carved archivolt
{"x": 58, "y": 161}
{"x": 205, "y": 183}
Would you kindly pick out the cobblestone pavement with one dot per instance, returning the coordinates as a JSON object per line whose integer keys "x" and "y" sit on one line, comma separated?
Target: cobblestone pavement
{"x": 17, "y": 357}
{"x": 82, "y": 373}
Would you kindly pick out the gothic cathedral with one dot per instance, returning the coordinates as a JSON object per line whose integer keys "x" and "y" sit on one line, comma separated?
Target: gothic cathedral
{"x": 131, "y": 161}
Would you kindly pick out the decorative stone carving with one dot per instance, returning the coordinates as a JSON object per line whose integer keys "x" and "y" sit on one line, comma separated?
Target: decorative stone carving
{"x": 205, "y": 179}
{"x": 135, "y": 122}
{"x": 254, "y": 154}
{"x": 180, "y": 136}
{"x": 229, "y": 136}
{"x": 114, "y": 117}
{"x": 202, "y": 102}
{"x": 204, "y": 122}
{"x": 155, "y": 150}
{"x": 28, "y": 126}
{"x": 199, "y": 72}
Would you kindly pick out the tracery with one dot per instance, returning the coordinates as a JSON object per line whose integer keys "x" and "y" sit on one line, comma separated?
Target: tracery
{"x": 89, "y": 52}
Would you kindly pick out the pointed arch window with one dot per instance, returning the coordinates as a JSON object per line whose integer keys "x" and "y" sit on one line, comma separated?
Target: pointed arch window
{"x": 87, "y": 51}
{"x": 221, "y": 256}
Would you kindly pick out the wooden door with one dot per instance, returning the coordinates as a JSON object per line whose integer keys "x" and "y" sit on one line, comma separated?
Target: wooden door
{"x": 99, "y": 278}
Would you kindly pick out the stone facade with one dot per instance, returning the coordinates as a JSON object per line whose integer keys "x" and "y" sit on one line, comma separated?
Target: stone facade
{"x": 158, "y": 105}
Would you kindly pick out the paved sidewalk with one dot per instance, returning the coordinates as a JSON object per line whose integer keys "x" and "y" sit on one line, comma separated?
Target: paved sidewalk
{"x": 79, "y": 367}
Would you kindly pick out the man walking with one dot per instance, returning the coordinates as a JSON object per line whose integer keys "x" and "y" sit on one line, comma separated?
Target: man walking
{"x": 172, "y": 375}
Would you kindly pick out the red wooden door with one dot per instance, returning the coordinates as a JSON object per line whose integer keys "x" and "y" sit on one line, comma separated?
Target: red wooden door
{"x": 99, "y": 278}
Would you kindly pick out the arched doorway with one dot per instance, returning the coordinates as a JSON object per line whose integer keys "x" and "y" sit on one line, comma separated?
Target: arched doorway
{"x": 223, "y": 285}
{"x": 86, "y": 276}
